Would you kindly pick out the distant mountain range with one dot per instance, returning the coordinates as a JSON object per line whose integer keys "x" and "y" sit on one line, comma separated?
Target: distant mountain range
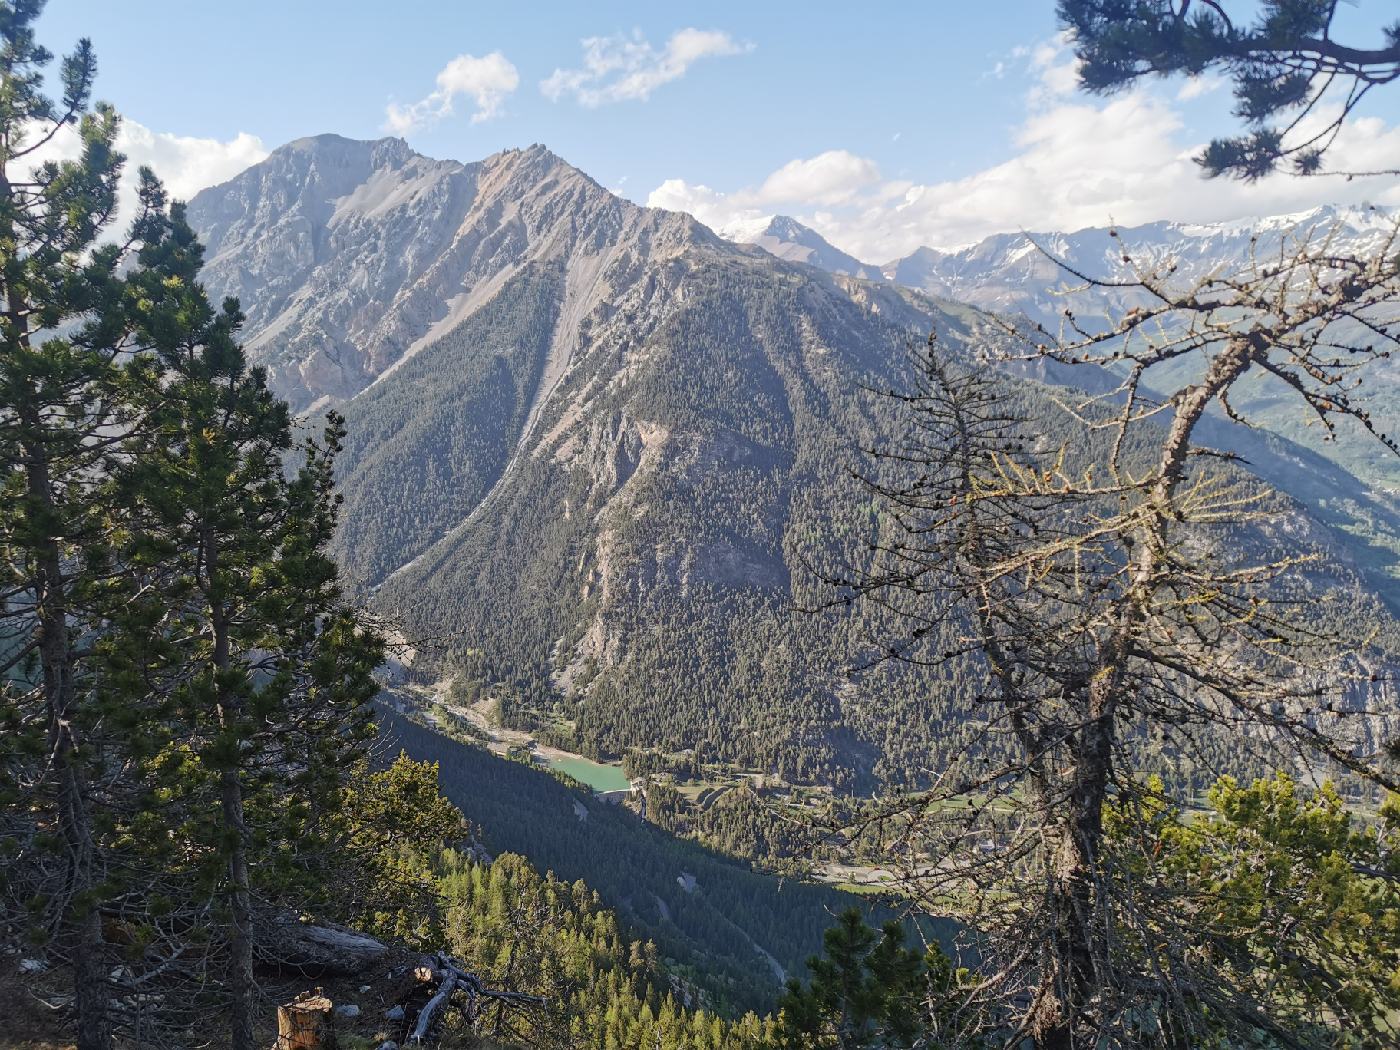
{"x": 1020, "y": 274}
{"x": 596, "y": 451}
{"x": 1017, "y": 273}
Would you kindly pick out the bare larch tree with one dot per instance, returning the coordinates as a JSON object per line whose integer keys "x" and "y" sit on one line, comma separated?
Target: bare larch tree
{"x": 1121, "y": 589}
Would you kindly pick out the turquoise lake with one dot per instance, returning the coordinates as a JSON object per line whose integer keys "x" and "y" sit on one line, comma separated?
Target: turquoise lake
{"x": 596, "y": 775}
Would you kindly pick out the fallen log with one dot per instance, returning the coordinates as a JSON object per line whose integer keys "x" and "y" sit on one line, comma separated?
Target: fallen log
{"x": 284, "y": 941}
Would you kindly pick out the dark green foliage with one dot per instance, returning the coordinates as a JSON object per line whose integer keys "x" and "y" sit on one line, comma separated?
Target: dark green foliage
{"x": 868, "y": 990}
{"x": 1282, "y": 57}
{"x": 402, "y": 872}
{"x": 425, "y": 445}
{"x": 1289, "y": 898}
{"x": 263, "y": 669}
{"x": 183, "y": 684}
{"x": 737, "y": 821}
{"x": 711, "y": 930}
{"x": 393, "y": 827}
{"x": 61, "y": 405}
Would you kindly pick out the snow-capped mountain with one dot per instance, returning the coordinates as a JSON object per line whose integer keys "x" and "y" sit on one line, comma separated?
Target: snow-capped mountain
{"x": 1021, "y": 272}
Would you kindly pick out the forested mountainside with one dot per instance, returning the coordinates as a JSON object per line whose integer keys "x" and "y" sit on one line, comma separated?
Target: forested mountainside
{"x": 599, "y": 459}
{"x": 564, "y": 627}
{"x": 733, "y": 934}
{"x": 602, "y": 987}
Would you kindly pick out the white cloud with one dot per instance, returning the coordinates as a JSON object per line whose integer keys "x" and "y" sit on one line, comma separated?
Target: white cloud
{"x": 620, "y": 68}
{"x": 724, "y": 212}
{"x": 1055, "y": 68}
{"x": 185, "y": 163}
{"x": 1061, "y": 78}
{"x": 832, "y": 179}
{"x": 1076, "y": 163}
{"x": 488, "y": 81}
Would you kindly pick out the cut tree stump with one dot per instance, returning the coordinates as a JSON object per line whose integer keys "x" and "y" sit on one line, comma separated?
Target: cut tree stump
{"x": 305, "y": 1023}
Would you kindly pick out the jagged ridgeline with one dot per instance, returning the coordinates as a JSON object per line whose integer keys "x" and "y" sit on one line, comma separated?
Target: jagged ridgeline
{"x": 596, "y": 452}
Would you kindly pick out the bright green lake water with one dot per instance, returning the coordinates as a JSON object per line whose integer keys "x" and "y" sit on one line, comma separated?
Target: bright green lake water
{"x": 596, "y": 775}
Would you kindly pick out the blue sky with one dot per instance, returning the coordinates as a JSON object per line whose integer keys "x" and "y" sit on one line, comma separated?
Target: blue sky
{"x": 885, "y": 127}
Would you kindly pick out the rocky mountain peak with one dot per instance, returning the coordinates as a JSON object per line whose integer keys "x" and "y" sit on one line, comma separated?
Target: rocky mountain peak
{"x": 789, "y": 229}
{"x": 330, "y": 146}
{"x": 788, "y": 239}
{"x": 349, "y": 256}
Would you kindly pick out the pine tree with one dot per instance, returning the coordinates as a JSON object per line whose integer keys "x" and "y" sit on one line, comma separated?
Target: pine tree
{"x": 1293, "y": 901}
{"x": 1295, "y": 79}
{"x": 58, "y": 412}
{"x": 397, "y": 827}
{"x": 274, "y": 672}
{"x": 868, "y": 990}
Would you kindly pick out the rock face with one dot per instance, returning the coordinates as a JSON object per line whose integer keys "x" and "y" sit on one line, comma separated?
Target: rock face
{"x": 349, "y": 256}
{"x": 595, "y": 451}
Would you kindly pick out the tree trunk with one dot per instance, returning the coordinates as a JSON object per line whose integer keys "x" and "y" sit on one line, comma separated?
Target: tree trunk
{"x": 82, "y": 919}
{"x": 240, "y": 939}
{"x": 1074, "y": 904}
{"x": 240, "y": 915}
